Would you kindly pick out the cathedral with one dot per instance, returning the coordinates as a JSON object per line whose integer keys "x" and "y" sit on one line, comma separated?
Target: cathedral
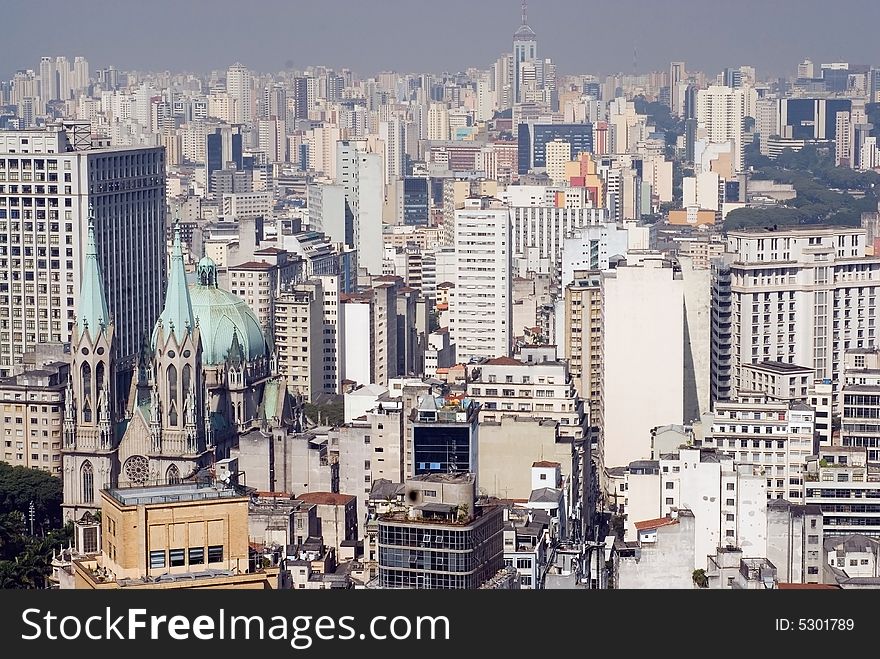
{"x": 206, "y": 375}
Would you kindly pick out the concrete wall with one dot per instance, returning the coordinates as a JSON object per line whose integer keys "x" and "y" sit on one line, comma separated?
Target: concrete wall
{"x": 667, "y": 563}
{"x": 697, "y": 338}
{"x": 507, "y": 450}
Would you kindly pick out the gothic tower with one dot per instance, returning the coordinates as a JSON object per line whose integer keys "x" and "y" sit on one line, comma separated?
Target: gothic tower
{"x": 90, "y": 438}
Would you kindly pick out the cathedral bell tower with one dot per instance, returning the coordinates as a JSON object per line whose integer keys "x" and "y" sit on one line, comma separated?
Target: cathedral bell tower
{"x": 89, "y": 434}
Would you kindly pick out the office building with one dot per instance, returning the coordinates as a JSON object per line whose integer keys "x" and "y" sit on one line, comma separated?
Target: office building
{"x": 444, "y": 431}
{"x": 223, "y": 151}
{"x": 239, "y": 87}
{"x": 444, "y": 539}
{"x": 48, "y": 190}
{"x": 533, "y": 138}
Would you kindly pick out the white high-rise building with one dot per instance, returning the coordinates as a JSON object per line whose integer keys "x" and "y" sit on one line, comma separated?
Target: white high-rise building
{"x": 48, "y": 81}
{"x": 642, "y": 342}
{"x": 80, "y": 74}
{"x": 438, "y": 122}
{"x": 480, "y": 307}
{"x": 843, "y": 143}
{"x": 238, "y": 86}
{"x": 393, "y": 134}
{"x": 65, "y": 77}
{"x": 361, "y": 174}
{"x": 124, "y": 189}
{"x": 273, "y": 141}
{"x": 677, "y": 75}
{"x": 720, "y": 114}
{"x": 799, "y": 295}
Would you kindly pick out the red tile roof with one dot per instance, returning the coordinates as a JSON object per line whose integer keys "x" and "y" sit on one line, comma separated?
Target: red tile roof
{"x": 545, "y": 463}
{"x": 808, "y": 586}
{"x": 655, "y": 523}
{"x": 252, "y": 265}
{"x": 503, "y": 361}
{"x": 326, "y": 498}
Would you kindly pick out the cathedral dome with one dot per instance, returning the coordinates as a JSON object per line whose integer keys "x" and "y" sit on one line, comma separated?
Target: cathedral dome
{"x": 221, "y": 316}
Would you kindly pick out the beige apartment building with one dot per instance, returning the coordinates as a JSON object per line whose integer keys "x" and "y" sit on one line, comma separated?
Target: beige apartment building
{"x": 299, "y": 344}
{"x": 33, "y": 413}
{"x": 583, "y": 335}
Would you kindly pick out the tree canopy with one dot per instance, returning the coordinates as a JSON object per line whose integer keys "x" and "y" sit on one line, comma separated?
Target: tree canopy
{"x": 20, "y": 485}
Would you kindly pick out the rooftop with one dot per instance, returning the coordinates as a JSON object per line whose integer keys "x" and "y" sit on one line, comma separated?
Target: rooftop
{"x": 655, "y": 523}
{"x": 252, "y": 265}
{"x": 779, "y": 367}
{"x": 326, "y": 498}
{"x": 165, "y": 494}
{"x": 545, "y": 463}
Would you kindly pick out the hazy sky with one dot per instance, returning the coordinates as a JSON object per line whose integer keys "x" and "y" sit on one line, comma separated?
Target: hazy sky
{"x": 582, "y": 36}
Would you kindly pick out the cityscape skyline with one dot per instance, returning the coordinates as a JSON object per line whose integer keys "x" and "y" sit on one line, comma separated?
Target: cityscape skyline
{"x": 633, "y": 37}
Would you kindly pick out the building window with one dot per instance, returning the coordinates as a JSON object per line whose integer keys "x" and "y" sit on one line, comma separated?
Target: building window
{"x": 524, "y": 563}
{"x": 670, "y": 485}
{"x": 812, "y": 539}
{"x": 730, "y": 486}
{"x": 669, "y": 501}
{"x": 90, "y": 540}
{"x": 172, "y": 476}
{"x": 812, "y": 569}
{"x": 215, "y": 554}
{"x": 196, "y": 555}
{"x": 176, "y": 557}
{"x": 157, "y": 559}
{"x": 88, "y": 483}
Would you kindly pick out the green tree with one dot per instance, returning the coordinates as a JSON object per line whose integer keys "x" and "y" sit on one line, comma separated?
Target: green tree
{"x": 20, "y": 485}
{"x": 700, "y": 578}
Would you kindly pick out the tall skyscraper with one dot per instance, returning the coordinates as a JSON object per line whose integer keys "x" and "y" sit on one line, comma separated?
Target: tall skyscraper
{"x": 393, "y": 134}
{"x": 361, "y": 175}
{"x": 480, "y": 305}
{"x": 48, "y": 81}
{"x": 238, "y": 86}
{"x": 223, "y": 149}
{"x": 64, "y": 76}
{"x": 720, "y": 114}
{"x": 677, "y": 75}
{"x": 46, "y": 222}
{"x": 80, "y": 74}
{"x": 525, "y": 51}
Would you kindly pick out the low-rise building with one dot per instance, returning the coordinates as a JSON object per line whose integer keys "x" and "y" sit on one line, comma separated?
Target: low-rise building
{"x": 840, "y": 481}
{"x": 188, "y": 535}
{"x": 661, "y": 557}
{"x": 446, "y": 538}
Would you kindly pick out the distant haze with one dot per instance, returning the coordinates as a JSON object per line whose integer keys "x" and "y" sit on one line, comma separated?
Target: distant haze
{"x": 368, "y": 36}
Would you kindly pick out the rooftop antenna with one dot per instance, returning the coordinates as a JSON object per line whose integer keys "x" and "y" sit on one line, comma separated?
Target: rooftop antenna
{"x": 525, "y": 7}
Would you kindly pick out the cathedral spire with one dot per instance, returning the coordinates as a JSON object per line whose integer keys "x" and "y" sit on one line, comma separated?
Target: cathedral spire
{"x": 177, "y": 316}
{"x": 93, "y": 312}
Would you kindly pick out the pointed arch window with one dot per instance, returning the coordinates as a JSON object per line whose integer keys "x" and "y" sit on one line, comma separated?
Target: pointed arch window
{"x": 172, "y": 414}
{"x": 87, "y": 412}
{"x": 187, "y": 379}
{"x": 86, "y": 380}
{"x": 88, "y": 483}
{"x": 99, "y": 377}
{"x": 171, "y": 375}
{"x": 172, "y": 476}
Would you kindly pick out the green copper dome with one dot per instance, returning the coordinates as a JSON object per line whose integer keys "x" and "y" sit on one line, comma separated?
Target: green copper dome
{"x": 220, "y": 316}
